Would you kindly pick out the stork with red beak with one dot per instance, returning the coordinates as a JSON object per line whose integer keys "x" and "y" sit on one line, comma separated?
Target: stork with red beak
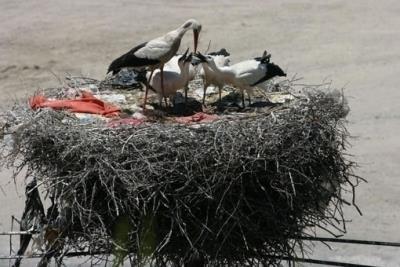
{"x": 155, "y": 53}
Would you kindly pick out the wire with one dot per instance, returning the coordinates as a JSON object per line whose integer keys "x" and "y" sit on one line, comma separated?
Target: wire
{"x": 324, "y": 262}
{"x": 351, "y": 241}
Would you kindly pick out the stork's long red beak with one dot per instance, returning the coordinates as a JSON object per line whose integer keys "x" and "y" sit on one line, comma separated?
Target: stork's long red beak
{"x": 195, "y": 39}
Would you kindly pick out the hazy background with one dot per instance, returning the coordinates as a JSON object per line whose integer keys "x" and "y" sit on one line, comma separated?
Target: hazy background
{"x": 353, "y": 43}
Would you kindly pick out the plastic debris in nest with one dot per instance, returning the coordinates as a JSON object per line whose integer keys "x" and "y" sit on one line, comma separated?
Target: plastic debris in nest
{"x": 124, "y": 79}
{"x": 112, "y": 98}
{"x": 87, "y": 103}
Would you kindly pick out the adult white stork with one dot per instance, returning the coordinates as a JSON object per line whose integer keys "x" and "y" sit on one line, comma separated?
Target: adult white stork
{"x": 155, "y": 53}
{"x": 174, "y": 80}
{"x": 245, "y": 74}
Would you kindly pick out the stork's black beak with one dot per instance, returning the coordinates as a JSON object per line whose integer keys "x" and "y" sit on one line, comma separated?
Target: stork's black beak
{"x": 201, "y": 57}
{"x": 184, "y": 55}
{"x": 264, "y": 55}
{"x": 195, "y": 60}
{"x": 195, "y": 38}
{"x": 189, "y": 58}
{"x": 267, "y": 58}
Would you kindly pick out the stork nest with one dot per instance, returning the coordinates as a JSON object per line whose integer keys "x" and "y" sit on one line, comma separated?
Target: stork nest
{"x": 236, "y": 192}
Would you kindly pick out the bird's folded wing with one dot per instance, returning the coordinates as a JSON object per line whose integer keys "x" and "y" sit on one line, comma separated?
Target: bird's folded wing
{"x": 155, "y": 49}
{"x": 250, "y": 76}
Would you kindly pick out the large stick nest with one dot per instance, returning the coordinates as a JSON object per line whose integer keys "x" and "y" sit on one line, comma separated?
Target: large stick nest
{"x": 235, "y": 191}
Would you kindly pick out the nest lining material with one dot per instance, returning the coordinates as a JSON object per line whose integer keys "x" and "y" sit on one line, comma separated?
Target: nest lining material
{"x": 235, "y": 191}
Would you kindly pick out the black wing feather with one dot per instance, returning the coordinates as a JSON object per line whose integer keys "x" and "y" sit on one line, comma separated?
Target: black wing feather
{"x": 130, "y": 60}
{"x": 268, "y": 75}
{"x": 272, "y": 70}
{"x": 221, "y": 52}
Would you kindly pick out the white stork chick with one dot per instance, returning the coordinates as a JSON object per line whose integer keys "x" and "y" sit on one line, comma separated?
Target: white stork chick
{"x": 245, "y": 74}
{"x": 173, "y": 80}
{"x": 210, "y": 77}
{"x": 155, "y": 53}
{"x": 173, "y": 65}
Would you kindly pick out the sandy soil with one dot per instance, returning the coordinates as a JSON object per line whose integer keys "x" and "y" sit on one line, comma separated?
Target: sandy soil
{"x": 352, "y": 43}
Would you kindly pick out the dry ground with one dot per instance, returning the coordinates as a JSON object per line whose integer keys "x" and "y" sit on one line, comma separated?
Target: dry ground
{"x": 353, "y": 43}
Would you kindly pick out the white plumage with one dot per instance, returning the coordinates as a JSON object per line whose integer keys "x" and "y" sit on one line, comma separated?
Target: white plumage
{"x": 173, "y": 65}
{"x": 205, "y": 72}
{"x": 245, "y": 74}
{"x": 174, "y": 79}
{"x": 210, "y": 77}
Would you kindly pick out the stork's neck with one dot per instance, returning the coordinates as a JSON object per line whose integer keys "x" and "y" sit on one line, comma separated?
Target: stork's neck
{"x": 181, "y": 31}
{"x": 211, "y": 64}
{"x": 206, "y": 68}
{"x": 184, "y": 70}
{"x": 225, "y": 72}
{"x": 175, "y": 36}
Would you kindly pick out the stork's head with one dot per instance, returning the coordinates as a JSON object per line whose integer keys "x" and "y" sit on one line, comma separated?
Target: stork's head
{"x": 274, "y": 70}
{"x": 196, "y": 27}
{"x": 204, "y": 58}
{"x": 221, "y": 60}
{"x": 188, "y": 59}
{"x": 182, "y": 59}
{"x": 265, "y": 58}
{"x": 207, "y": 60}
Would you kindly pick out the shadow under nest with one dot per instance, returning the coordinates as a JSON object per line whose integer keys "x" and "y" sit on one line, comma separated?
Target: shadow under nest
{"x": 231, "y": 192}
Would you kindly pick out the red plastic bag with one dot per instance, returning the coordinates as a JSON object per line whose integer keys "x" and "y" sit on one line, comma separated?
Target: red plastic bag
{"x": 85, "y": 104}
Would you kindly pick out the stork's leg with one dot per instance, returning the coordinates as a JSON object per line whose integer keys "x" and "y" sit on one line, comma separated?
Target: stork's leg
{"x": 147, "y": 89}
{"x": 220, "y": 94}
{"x": 249, "y": 95}
{"x": 186, "y": 98}
{"x": 243, "y": 104}
{"x": 160, "y": 98}
{"x": 162, "y": 85}
{"x": 204, "y": 93}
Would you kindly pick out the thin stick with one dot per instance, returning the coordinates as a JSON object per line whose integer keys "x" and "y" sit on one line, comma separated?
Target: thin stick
{"x": 208, "y": 47}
